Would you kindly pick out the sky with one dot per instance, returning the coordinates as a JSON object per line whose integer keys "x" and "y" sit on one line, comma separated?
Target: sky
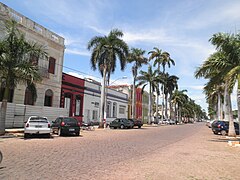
{"x": 182, "y": 28}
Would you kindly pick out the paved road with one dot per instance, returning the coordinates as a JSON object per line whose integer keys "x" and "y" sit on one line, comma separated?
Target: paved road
{"x": 87, "y": 156}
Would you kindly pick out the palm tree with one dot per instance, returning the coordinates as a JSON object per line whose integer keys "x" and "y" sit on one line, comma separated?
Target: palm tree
{"x": 225, "y": 65}
{"x": 179, "y": 98}
{"x": 105, "y": 52}
{"x": 148, "y": 78}
{"x": 16, "y": 65}
{"x": 136, "y": 56}
{"x": 160, "y": 58}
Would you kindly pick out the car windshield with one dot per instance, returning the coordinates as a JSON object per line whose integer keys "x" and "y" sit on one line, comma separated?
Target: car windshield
{"x": 39, "y": 119}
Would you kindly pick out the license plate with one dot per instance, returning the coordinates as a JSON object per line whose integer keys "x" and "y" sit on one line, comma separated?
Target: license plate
{"x": 38, "y": 126}
{"x": 71, "y": 129}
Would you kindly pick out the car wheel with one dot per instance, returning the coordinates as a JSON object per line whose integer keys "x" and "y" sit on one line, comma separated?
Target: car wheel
{"x": 77, "y": 133}
{"x": 139, "y": 126}
{"x": 122, "y": 126}
{"x": 26, "y": 135}
{"x": 59, "y": 132}
{"x": 1, "y": 157}
{"x": 223, "y": 132}
{"x": 215, "y": 132}
{"x": 48, "y": 135}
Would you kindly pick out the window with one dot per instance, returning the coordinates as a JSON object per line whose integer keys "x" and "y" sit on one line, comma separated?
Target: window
{"x": 95, "y": 115}
{"x": 51, "y": 67}
{"x": 48, "y": 98}
{"x": 122, "y": 109}
{"x": 108, "y": 109}
{"x": 34, "y": 60}
{"x": 28, "y": 100}
{"x": 114, "y": 109}
{"x": 77, "y": 109}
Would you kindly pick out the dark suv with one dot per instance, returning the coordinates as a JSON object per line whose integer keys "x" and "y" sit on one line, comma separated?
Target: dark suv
{"x": 222, "y": 127}
{"x": 66, "y": 125}
{"x": 137, "y": 123}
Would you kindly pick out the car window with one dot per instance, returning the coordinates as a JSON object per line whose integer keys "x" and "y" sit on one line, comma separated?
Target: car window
{"x": 39, "y": 119}
{"x": 70, "y": 120}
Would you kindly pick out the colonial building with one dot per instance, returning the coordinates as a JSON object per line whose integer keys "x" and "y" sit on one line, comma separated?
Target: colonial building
{"x": 49, "y": 90}
{"x": 72, "y": 95}
{"x": 82, "y": 98}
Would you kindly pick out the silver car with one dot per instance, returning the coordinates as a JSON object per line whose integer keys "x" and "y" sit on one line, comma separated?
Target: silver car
{"x": 37, "y": 125}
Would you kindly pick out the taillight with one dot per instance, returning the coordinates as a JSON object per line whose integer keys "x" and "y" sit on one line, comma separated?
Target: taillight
{"x": 79, "y": 124}
{"x": 27, "y": 125}
{"x": 219, "y": 126}
{"x": 62, "y": 123}
{"x": 48, "y": 125}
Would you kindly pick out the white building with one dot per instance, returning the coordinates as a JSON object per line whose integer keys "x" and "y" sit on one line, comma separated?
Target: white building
{"x": 49, "y": 90}
{"x": 116, "y": 103}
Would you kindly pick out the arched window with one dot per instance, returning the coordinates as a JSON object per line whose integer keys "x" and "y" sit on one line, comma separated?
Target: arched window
{"x": 48, "y": 98}
{"x": 28, "y": 100}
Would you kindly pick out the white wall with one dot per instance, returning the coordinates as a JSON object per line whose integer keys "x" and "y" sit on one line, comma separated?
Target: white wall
{"x": 18, "y": 113}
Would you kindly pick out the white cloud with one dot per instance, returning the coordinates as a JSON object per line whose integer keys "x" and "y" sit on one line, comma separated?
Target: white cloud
{"x": 77, "y": 52}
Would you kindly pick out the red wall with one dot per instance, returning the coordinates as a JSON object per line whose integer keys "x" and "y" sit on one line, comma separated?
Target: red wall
{"x": 73, "y": 87}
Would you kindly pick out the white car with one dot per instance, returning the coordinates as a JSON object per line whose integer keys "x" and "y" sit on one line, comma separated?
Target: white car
{"x": 37, "y": 125}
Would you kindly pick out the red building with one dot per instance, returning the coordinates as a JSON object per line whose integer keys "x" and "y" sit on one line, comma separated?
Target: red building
{"x": 72, "y": 95}
{"x": 138, "y": 103}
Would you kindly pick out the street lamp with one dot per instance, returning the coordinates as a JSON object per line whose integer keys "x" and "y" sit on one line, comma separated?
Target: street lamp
{"x": 124, "y": 77}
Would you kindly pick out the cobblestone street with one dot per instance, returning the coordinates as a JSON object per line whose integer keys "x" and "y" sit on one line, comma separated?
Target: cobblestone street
{"x": 188, "y": 151}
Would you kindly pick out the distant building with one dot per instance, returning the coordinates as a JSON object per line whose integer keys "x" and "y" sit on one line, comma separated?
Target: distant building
{"x": 128, "y": 90}
{"x": 49, "y": 90}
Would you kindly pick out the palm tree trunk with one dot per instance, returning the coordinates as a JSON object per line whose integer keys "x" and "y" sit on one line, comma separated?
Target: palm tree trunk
{"x": 163, "y": 105}
{"x": 238, "y": 99}
{"x": 150, "y": 105}
{"x": 170, "y": 106}
{"x": 102, "y": 107}
{"x": 228, "y": 113}
{"x": 157, "y": 101}
{"x": 219, "y": 106}
{"x": 3, "y": 110}
{"x": 134, "y": 97}
{"x": 166, "y": 113}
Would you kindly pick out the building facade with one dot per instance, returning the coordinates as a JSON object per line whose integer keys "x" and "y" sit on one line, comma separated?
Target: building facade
{"x": 83, "y": 97}
{"x": 128, "y": 90}
{"x": 49, "y": 90}
{"x": 72, "y": 95}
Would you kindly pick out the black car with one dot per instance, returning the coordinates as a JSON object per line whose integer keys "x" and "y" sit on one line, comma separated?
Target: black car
{"x": 222, "y": 127}
{"x": 121, "y": 123}
{"x": 136, "y": 122}
{"x": 66, "y": 125}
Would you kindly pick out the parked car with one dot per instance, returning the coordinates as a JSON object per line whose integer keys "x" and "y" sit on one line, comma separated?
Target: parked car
{"x": 121, "y": 123}
{"x": 222, "y": 127}
{"x": 66, "y": 125}
{"x": 136, "y": 122}
{"x": 37, "y": 125}
{"x": 172, "y": 121}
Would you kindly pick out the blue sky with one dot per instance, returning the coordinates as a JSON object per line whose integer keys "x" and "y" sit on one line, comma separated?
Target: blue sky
{"x": 181, "y": 28}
